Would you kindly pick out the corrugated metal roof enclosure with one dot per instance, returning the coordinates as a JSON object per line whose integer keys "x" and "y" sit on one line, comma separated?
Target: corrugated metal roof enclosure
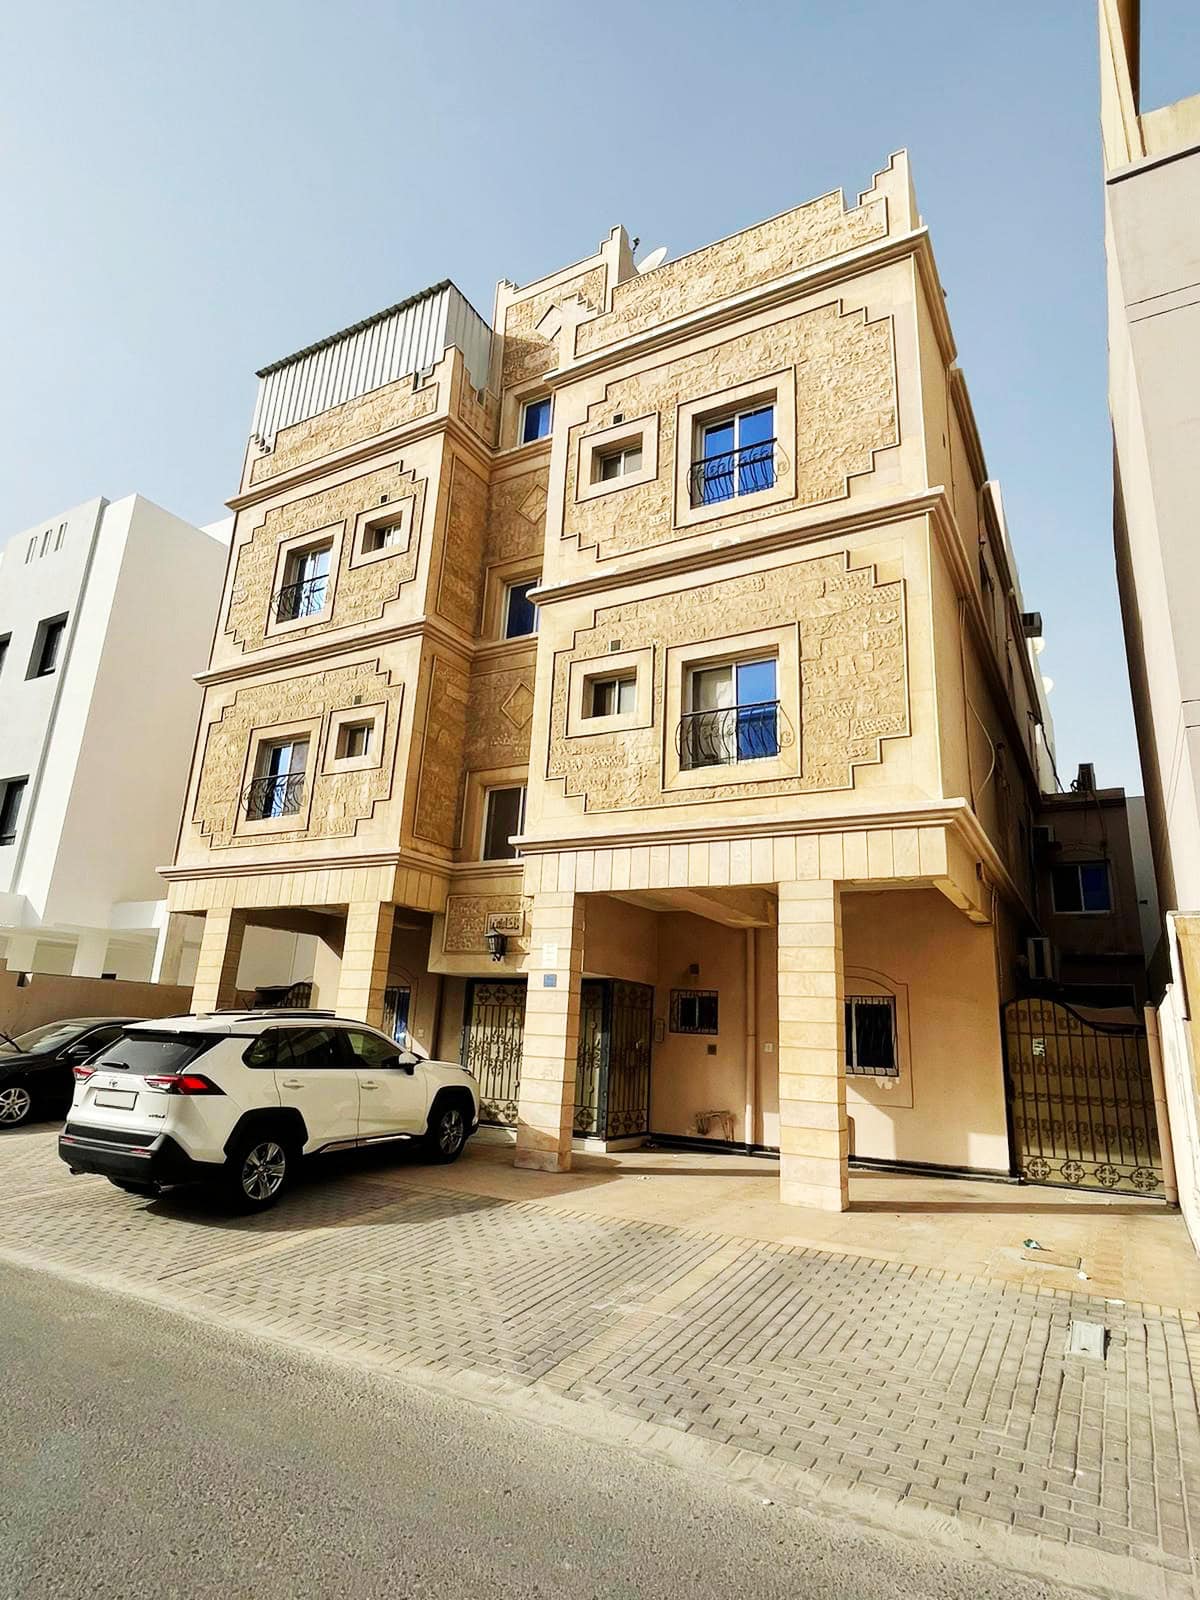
{"x": 405, "y": 338}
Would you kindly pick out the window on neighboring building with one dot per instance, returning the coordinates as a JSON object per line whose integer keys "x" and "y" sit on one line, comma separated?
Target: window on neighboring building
{"x": 693, "y": 1011}
{"x": 277, "y": 787}
{"x": 305, "y": 584}
{"x": 520, "y": 613}
{"x": 871, "y": 1036}
{"x": 536, "y": 416}
{"x": 736, "y": 456}
{"x": 29, "y": 549}
{"x": 62, "y": 534}
{"x": 47, "y": 644}
{"x": 12, "y": 792}
{"x": 1081, "y": 886}
{"x": 504, "y": 815}
{"x": 732, "y": 715}
{"x": 618, "y": 463}
{"x": 354, "y": 739}
{"x": 5, "y": 641}
{"x": 609, "y": 697}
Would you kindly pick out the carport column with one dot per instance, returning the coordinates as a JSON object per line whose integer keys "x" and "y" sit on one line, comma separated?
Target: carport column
{"x": 366, "y": 957}
{"x": 215, "y": 987}
{"x": 168, "y": 952}
{"x": 546, "y": 1098}
{"x": 813, "y": 1136}
{"x": 91, "y": 952}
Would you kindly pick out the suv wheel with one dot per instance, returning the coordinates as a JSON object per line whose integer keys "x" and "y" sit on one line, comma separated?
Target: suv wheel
{"x": 260, "y": 1166}
{"x": 16, "y": 1103}
{"x": 447, "y": 1131}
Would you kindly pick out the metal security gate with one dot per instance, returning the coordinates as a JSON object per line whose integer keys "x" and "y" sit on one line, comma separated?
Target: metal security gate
{"x": 1081, "y": 1099}
{"x": 612, "y": 1074}
{"x": 493, "y": 1033}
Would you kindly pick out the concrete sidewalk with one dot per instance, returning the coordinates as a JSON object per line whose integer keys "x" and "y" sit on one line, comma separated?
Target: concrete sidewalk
{"x": 938, "y": 1399}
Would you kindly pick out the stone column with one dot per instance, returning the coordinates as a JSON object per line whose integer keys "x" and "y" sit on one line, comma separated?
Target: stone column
{"x": 366, "y": 957}
{"x": 215, "y": 988}
{"x": 19, "y": 952}
{"x": 168, "y": 952}
{"x": 91, "y": 950}
{"x": 546, "y": 1099}
{"x": 814, "y": 1141}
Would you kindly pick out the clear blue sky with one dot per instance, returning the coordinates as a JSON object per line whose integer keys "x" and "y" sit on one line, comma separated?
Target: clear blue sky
{"x": 191, "y": 191}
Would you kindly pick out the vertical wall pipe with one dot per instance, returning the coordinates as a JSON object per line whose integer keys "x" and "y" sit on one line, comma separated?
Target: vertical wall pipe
{"x": 750, "y": 1115}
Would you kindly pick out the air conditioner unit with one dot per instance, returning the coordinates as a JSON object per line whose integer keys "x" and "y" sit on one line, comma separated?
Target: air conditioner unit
{"x": 1039, "y": 955}
{"x": 1043, "y": 837}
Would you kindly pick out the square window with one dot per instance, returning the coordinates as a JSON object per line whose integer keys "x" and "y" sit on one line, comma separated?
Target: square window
{"x": 390, "y": 535}
{"x": 12, "y": 793}
{"x": 736, "y": 456}
{"x": 520, "y": 613}
{"x": 47, "y": 645}
{"x": 618, "y": 463}
{"x": 732, "y": 714}
{"x": 693, "y": 1011}
{"x": 354, "y": 739}
{"x": 871, "y": 1036}
{"x": 611, "y": 697}
{"x": 1081, "y": 886}
{"x": 305, "y": 583}
{"x": 277, "y": 788}
{"x": 536, "y": 416}
{"x": 504, "y": 815}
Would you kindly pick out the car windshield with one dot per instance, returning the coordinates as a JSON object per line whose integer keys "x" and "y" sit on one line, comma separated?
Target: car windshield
{"x": 45, "y": 1040}
{"x": 151, "y": 1053}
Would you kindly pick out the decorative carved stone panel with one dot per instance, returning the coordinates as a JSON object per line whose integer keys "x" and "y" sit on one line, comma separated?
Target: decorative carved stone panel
{"x": 354, "y": 422}
{"x": 471, "y": 917}
{"x": 526, "y": 353}
{"x": 439, "y": 784}
{"x": 783, "y": 245}
{"x": 360, "y": 592}
{"x": 853, "y": 689}
{"x": 500, "y": 716}
{"x": 845, "y": 411}
{"x": 517, "y": 516}
{"x": 460, "y": 584}
{"x": 335, "y": 802}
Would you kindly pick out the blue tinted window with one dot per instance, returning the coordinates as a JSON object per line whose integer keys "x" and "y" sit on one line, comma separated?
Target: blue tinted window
{"x": 536, "y": 420}
{"x": 520, "y": 616}
{"x": 758, "y": 711}
{"x": 1093, "y": 880}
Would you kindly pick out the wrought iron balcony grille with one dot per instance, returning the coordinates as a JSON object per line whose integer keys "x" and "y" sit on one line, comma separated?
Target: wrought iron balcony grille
{"x": 303, "y": 599}
{"x": 733, "y": 472}
{"x": 732, "y": 733}
{"x": 277, "y": 795}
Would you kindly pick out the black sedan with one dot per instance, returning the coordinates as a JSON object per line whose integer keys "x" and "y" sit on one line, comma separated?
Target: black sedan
{"x": 37, "y": 1068}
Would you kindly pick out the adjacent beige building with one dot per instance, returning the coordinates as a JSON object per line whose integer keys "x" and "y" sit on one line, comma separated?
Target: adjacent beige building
{"x": 1152, "y": 244}
{"x": 641, "y": 702}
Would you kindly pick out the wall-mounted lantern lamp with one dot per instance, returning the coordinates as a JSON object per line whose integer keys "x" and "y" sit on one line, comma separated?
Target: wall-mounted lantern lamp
{"x": 497, "y": 944}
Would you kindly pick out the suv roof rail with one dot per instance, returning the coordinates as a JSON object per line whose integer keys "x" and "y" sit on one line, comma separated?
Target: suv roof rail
{"x": 268, "y": 1011}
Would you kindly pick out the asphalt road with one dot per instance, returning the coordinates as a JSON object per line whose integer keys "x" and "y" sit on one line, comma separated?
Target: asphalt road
{"x": 144, "y": 1455}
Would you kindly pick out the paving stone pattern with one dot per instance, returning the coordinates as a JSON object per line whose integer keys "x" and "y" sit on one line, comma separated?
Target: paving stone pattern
{"x": 918, "y": 1387}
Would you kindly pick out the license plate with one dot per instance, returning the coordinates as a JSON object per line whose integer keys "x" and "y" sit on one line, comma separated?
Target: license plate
{"x": 116, "y": 1099}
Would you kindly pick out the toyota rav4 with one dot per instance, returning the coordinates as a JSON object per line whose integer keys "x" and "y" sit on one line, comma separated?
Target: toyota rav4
{"x": 238, "y": 1098}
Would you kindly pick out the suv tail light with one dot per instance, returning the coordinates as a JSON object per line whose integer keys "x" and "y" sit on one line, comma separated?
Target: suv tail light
{"x": 183, "y": 1083}
{"x": 82, "y": 1074}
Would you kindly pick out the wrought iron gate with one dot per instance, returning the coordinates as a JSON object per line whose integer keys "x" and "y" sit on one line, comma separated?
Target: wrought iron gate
{"x": 612, "y": 1074}
{"x": 1081, "y": 1099}
{"x": 493, "y": 1032}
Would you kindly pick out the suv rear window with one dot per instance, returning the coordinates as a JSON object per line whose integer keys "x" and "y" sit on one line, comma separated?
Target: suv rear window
{"x": 148, "y": 1054}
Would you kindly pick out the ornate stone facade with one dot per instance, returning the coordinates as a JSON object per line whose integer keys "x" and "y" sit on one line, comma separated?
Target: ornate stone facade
{"x": 501, "y": 711}
{"x": 516, "y": 521}
{"x": 461, "y": 581}
{"x": 471, "y": 917}
{"x": 526, "y": 354}
{"x": 785, "y": 244}
{"x": 853, "y": 681}
{"x": 336, "y": 802}
{"x": 439, "y": 784}
{"x": 845, "y": 380}
{"x": 392, "y": 406}
{"x": 361, "y": 592}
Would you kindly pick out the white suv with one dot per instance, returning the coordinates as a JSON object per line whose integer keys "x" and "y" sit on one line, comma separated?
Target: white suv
{"x": 237, "y": 1098}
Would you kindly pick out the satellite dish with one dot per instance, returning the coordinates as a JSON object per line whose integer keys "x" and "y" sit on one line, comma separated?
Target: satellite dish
{"x": 654, "y": 259}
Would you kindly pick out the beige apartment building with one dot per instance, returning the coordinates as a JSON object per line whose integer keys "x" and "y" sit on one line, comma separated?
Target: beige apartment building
{"x": 640, "y": 701}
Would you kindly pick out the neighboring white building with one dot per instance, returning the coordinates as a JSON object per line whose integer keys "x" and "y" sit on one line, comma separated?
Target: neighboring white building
{"x": 105, "y": 615}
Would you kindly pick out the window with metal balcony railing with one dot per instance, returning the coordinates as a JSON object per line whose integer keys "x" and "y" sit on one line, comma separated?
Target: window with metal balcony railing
{"x": 306, "y": 585}
{"x": 277, "y": 789}
{"x": 737, "y": 457}
{"x": 734, "y": 714}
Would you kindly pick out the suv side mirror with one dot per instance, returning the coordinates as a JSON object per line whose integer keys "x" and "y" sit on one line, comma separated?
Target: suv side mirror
{"x": 406, "y": 1061}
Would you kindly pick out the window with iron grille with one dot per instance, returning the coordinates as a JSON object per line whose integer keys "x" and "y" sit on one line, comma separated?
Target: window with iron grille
{"x": 693, "y": 1011}
{"x": 871, "y": 1036}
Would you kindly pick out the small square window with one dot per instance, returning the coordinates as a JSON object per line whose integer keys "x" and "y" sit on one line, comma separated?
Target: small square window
{"x": 618, "y": 463}
{"x": 871, "y": 1036}
{"x": 610, "y": 697}
{"x": 47, "y": 646}
{"x": 354, "y": 739}
{"x": 1081, "y": 886}
{"x": 693, "y": 1011}
{"x": 12, "y": 793}
{"x": 390, "y": 535}
{"x": 536, "y": 417}
{"x": 520, "y": 613}
{"x": 504, "y": 815}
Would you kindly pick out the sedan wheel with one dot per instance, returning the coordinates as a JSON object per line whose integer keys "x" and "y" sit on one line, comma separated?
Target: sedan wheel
{"x": 263, "y": 1172}
{"x": 15, "y": 1105}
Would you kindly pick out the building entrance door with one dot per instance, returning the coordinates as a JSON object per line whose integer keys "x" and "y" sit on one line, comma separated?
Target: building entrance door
{"x": 493, "y": 1035}
{"x": 1081, "y": 1101}
{"x": 612, "y": 1074}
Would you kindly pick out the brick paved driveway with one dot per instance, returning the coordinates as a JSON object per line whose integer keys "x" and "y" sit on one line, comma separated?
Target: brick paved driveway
{"x": 916, "y": 1388}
